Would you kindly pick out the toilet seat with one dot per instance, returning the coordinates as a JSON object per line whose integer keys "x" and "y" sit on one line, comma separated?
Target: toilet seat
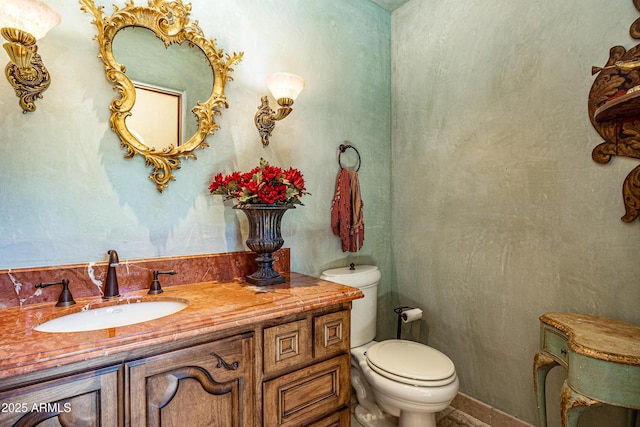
{"x": 412, "y": 363}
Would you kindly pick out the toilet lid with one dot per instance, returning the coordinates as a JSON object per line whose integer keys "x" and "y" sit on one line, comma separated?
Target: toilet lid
{"x": 411, "y": 362}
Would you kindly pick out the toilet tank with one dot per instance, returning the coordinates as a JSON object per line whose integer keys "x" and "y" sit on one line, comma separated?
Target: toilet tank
{"x": 363, "y": 311}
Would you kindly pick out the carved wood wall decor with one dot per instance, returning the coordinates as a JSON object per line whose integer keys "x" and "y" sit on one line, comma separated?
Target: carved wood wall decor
{"x": 614, "y": 111}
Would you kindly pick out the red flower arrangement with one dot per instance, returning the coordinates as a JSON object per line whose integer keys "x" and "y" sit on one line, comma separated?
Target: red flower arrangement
{"x": 263, "y": 184}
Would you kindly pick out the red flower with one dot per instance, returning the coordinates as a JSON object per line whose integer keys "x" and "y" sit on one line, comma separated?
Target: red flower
{"x": 272, "y": 193}
{"x": 263, "y": 184}
{"x": 295, "y": 178}
{"x": 218, "y": 181}
{"x": 271, "y": 172}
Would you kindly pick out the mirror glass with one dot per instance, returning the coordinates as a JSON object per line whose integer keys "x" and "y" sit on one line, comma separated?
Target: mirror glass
{"x": 168, "y": 79}
{"x": 157, "y": 116}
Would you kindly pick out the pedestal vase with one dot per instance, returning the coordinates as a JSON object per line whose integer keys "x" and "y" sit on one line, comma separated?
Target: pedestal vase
{"x": 265, "y": 238}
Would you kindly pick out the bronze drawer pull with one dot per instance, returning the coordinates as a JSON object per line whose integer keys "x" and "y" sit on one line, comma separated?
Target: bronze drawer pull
{"x": 221, "y": 363}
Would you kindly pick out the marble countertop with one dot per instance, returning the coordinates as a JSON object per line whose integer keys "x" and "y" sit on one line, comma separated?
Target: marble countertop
{"x": 213, "y": 307}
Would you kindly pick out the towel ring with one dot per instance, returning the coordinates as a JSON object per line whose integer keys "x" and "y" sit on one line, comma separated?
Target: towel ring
{"x": 343, "y": 148}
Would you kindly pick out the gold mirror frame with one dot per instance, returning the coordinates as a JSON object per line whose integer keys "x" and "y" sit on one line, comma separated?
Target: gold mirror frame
{"x": 169, "y": 20}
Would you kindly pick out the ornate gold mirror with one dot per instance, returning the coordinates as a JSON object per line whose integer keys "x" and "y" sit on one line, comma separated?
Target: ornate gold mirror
{"x": 168, "y": 21}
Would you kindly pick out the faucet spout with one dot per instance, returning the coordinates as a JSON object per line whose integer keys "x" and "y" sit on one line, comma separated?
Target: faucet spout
{"x": 111, "y": 286}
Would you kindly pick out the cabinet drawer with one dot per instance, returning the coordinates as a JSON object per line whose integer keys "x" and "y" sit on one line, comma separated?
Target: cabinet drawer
{"x": 338, "y": 419}
{"x": 555, "y": 343}
{"x": 331, "y": 334}
{"x": 308, "y": 394}
{"x": 287, "y": 346}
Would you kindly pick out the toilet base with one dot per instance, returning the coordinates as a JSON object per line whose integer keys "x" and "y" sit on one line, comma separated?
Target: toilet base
{"x": 413, "y": 419}
{"x": 366, "y": 411}
{"x": 374, "y": 418}
{"x": 369, "y": 418}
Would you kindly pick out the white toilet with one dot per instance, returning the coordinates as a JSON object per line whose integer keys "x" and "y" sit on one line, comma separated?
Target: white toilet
{"x": 405, "y": 379}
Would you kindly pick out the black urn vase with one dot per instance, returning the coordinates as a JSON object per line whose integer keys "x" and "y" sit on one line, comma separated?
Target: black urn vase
{"x": 265, "y": 238}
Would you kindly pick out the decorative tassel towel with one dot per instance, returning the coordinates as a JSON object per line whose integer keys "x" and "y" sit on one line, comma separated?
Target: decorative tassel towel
{"x": 347, "y": 217}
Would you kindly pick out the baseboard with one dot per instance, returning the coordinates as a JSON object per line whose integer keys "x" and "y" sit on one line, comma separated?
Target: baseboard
{"x": 485, "y": 413}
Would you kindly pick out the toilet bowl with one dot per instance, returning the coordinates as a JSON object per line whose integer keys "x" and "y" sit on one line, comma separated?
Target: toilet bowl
{"x": 409, "y": 380}
{"x": 392, "y": 378}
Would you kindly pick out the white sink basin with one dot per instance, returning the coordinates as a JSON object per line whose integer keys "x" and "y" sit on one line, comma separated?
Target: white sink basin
{"x": 112, "y": 316}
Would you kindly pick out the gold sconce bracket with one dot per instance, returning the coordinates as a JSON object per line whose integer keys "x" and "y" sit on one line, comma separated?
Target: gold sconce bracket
{"x": 265, "y": 119}
{"x": 26, "y": 71}
{"x": 22, "y": 22}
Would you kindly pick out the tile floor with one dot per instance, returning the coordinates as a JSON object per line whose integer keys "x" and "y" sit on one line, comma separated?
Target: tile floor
{"x": 450, "y": 417}
{"x": 454, "y": 418}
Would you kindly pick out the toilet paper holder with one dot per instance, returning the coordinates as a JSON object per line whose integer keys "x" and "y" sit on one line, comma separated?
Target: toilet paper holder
{"x": 406, "y": 314}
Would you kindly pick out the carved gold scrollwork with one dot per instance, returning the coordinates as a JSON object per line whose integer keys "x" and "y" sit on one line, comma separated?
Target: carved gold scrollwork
{"x": 573, "y": 404}
{"x": 26, "y": 71}
{"x": 29, "y": 88}
{"x": 170, "y": 22}
{"x": 263, "y": 120}
{"x": 614, "y": 111}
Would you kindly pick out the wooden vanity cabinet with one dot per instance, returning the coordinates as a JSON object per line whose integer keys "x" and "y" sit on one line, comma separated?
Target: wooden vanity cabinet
{"x": 291, "y": 371}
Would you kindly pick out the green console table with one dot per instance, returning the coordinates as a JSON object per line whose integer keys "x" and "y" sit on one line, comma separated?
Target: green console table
{"x": 602, "y": 359}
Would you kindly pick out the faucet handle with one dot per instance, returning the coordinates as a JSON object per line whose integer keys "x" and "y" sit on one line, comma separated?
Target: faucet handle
{"x": 155, "y": 287}
{"x": 113, "y": 257}
{"x": 65, "y": 299}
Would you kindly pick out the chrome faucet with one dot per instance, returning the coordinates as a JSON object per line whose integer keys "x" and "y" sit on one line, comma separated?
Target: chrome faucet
{"x": 111, "y": 286}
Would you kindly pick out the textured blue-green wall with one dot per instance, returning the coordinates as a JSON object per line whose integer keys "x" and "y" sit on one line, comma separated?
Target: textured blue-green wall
{"x": 499, "y": 213}
{"x": 67, "y": 195}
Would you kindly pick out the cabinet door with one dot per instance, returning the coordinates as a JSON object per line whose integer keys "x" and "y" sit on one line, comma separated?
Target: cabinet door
{"x": 308, "y": 394}
{"x": 207, "y": 385}
{"x": 89, "y": 399}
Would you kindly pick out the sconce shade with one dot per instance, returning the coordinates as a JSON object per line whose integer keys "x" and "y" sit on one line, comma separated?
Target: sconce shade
{"x": 285, "y": 85}
{"x": 32, "y": 16}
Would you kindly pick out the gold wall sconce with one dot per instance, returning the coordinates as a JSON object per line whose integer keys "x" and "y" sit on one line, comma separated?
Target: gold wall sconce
{"x": 22, "y": 22}
{"x": 285, "y": 88}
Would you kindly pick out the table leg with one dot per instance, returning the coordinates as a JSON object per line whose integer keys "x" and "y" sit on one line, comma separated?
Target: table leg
{"x": 572, "y": 405}
{"x": 542, "y": 364}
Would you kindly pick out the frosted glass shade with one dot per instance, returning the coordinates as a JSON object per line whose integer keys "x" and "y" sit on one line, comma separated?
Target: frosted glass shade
{"x": 32, "y": 16}
{"x": 285, "y": 85}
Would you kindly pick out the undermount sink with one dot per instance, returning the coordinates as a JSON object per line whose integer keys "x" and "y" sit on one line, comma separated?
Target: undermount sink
{"x": 112, "y": 316}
